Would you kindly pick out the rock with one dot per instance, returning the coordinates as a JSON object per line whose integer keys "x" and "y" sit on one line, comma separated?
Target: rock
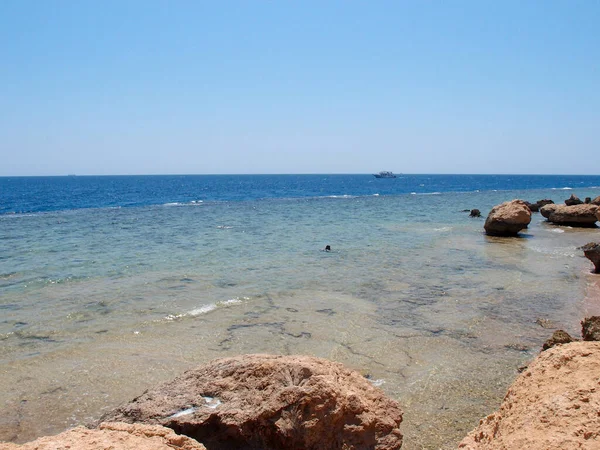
{"x": 573, "y": 200}
{"x": 119, "y": 436}
{"x": 544, "y": 202}
{"x": 475, "y": 213}
{"x": 272, "y": 402}
{"x": 591, "y": 250}
{"x": 576, "y": 215}
{"x": 596, "y": 201}
{"x": 590, "y": 328}
{"x": 558, "y": 337}
{"x": 587, "y": 200}
{"x": 553, "y": 404}
{"x": 508, "y": 218}
{"x": 548, "y": 209}
{"x": 533, "y": 207}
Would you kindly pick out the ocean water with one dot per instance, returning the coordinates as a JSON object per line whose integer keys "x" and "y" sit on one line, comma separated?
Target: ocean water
{"x": 109, "y": 285}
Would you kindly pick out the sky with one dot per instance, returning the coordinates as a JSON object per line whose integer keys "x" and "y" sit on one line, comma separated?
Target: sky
{"x": 220, "y": 87}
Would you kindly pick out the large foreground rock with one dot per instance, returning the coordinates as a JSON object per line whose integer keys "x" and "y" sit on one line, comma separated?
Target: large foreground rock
{"x": 508, "y": 218}
{"x": 118, "y": 436}
{"x": 591, "y": 251}
{"x": 576, "y": 215}
{"x": 553, "y": 404}
{"x": 272, "y": 402}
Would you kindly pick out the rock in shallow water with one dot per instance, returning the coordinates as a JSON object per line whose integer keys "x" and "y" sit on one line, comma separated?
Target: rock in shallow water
{"x": 553, "y": 404}
{"x": 271, "y": 402}
{"x": 576, "y": 215}
{"x": 118, "y": 436}
{"x": 591, "y": 251}
{"x": 508, "y": 218}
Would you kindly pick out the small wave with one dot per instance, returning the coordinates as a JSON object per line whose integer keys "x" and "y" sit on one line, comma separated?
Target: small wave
{"x": 562, "y": 189}
{"x": 377, "y": 383}
{"x": 341, "y": 196}
{"x": 443, "y": 229}
{"x": 204, "y": 309}
{"x": 375, "y": 195}
{"x": 191, "y": 203}
{"x": 426, "y": 193}
{"x": 557, "y": 230}
{"x": 224, "y": 227}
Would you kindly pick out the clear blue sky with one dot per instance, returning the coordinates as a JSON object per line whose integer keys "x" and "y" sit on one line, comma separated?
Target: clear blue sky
{"x": 158, "y": 87}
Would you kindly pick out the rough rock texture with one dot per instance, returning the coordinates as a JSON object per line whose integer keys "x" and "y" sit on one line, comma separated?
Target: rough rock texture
{"x": 475, "y": 213}
{"x": 508, "y": 218}
{"x": 576, "y": 215}
{"x": 558, "y": 337}
{"x": 272, "y": 402}
{"x": 573, "y": 200}
{"x": 544, "y": 202}
{"x": 590, "y": 328}
{"x": 553, "y": 404}
{"x": 548, "y": 209}
{"x": 118, "y": 436}
{"x": 591, "y": 251}
{"x": 587, "y": 200}
{"x": 596, "y": 201}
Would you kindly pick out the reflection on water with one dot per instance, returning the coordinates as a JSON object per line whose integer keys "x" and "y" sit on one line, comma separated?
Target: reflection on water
{"x": 98, "y": 305}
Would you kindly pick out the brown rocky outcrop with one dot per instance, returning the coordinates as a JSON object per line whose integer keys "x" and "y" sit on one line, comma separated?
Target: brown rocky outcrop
{"x": 553, "y": 404}
{"x": 508, "y": 218}
{"x": 544, "y": 202}
{"x": 573, "y": 200}
{"x": 548, "y": 209}
{"x": 591, "y": 251}
{"x": 558, "y": 337}
{"x": 590, "y": 328}
{"x": 272, "y": 402}
{"x": 576, "y": 215}
{"x": 596, "y": 201}
{"x": 118, "y": 436}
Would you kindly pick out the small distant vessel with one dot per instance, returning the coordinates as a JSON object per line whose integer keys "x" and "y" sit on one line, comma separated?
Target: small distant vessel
{"x": 385, "y": 174}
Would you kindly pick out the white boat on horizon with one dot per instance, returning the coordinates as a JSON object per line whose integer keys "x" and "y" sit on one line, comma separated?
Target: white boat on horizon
{"x": 385, "y": 174}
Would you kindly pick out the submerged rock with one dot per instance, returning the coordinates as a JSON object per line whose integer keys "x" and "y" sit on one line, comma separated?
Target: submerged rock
{"x": 573, "y": 200}
{"x": 508, "y": 218}
{"x": 533, "y": 207}
{"x": 558, "y": 337}
{"x": 590, "y": 328}
{"x": 544, "y": 202}
{"x": 553, "y": 404}
{"x": 591, "y": 251}
{"x": 576, "y": 215}
{"x": 118, "y": 436}
{"x": 475, "y": 213}
{"x": 272, "y": 402}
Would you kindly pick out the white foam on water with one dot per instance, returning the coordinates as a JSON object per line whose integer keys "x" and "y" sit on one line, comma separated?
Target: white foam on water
{"x": 562, "y": 189}
{"x": 204, "y": 309}
{"x": 443, "y": 229}
{"x": 377, "y": 383}
{"x": 557, "y": 230}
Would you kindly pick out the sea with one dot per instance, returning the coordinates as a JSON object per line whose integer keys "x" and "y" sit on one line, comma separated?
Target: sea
{"x": 112, "y": 284}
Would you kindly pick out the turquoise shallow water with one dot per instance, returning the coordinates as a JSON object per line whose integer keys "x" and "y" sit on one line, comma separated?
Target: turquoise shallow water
{"x": 99, "y": 303}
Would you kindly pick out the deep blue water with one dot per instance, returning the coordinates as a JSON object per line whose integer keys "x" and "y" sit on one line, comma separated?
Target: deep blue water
{"x": 39, "y": 194}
